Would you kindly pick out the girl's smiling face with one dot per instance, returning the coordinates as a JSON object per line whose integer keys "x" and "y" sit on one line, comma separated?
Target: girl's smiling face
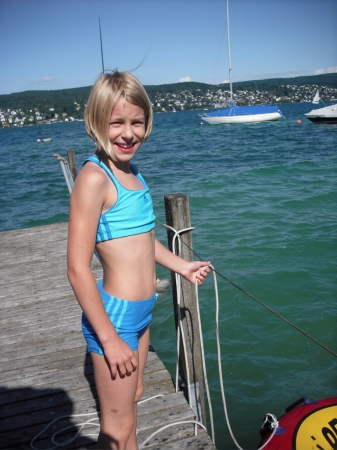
{"x": 126, "y": 129}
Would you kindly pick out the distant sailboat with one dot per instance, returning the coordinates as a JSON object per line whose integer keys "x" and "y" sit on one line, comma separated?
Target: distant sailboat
{"x": 241, "y": 114}
{"x": 316, "y": 98}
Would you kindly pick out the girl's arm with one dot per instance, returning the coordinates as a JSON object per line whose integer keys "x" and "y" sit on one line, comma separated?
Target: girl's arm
{"x": 86, "y": 203}
{"x": 192, "y": 271}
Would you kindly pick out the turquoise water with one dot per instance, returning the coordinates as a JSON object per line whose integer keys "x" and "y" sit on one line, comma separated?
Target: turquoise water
{"x": 264, "y": 204}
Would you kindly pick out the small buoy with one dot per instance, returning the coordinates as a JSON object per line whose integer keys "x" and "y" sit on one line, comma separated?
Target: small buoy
{"x": 298, "y": 121}
{"x": 201, "y": 123}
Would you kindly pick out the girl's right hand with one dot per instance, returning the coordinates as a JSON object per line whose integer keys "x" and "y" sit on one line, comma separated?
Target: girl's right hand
{"x": 120, "y": 358}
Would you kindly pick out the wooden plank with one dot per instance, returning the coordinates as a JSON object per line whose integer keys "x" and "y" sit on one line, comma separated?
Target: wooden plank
{"x": 70, "y": 358}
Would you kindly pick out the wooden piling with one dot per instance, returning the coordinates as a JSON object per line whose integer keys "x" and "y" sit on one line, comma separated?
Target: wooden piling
{"x": 178, "y": 216}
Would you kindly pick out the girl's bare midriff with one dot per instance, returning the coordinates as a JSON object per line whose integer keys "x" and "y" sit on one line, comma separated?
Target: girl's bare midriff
{"x": 130, "y": 273}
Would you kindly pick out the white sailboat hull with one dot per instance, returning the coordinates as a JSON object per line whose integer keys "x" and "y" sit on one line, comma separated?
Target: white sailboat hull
{"x": 249, "y": 118}
{"x": 326, "y": 114}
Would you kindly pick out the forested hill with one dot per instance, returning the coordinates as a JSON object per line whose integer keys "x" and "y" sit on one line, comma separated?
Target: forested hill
{"x": 329, "y": 80}
{"x": 68, "y": 104}
{"x": 62, "y": 97}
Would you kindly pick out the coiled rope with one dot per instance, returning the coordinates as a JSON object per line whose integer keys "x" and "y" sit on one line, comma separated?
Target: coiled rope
{"x": 93, "y": 422}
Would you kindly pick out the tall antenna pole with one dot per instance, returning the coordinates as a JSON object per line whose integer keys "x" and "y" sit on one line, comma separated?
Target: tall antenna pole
{"x": 229, "y": 57}
{"x": 100, "y": 37}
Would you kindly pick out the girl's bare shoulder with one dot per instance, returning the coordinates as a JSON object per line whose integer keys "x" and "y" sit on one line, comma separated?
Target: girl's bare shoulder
{"x": 92, "y": 176}
{"x": 93, "y": 186}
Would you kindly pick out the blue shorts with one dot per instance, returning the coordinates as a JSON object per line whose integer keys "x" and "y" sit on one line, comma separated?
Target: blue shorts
{"x": 130, "y": 319}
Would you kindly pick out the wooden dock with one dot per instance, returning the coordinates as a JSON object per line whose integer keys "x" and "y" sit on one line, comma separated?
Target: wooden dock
{"x": 45, "y": 371}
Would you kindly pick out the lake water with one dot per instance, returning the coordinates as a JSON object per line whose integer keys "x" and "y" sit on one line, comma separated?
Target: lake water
{"x": 263, "y": 203}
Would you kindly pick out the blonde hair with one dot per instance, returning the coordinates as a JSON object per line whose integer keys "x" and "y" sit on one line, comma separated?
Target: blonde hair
{"x": 104, "y": 95}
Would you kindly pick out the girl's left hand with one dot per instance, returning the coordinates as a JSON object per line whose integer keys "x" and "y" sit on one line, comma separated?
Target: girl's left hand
{"x": 196, "y": 271}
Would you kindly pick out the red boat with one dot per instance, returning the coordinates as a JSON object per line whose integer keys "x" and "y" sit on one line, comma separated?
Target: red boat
{"x": 306, "y": 425}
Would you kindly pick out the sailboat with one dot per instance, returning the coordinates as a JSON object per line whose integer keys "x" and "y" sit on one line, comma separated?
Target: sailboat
{"x": 316, "y": 98}
{"x": 240, "y": 114}
{"x": 328, "y": 114}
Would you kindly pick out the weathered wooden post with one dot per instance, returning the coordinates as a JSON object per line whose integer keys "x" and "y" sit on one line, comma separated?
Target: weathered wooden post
{"x": 178, "y": 217}
{"x": 72, "y": 163}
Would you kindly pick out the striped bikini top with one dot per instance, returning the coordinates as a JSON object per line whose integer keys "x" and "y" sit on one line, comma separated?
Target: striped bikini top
{"x": 131, "y": 214}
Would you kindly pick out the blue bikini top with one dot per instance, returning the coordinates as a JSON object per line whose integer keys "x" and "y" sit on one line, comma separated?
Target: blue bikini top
{"x": 131, "y": 214}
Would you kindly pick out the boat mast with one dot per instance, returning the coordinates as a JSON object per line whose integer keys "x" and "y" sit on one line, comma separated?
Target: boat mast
{"x": 100, "y": 37}
{"x": 229, "y": 58}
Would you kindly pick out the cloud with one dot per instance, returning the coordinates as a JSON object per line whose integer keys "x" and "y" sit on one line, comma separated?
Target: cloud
{"x": 42, "y": 81}
{"x": 322, "y": 71}
{"x": 182, "y": 80}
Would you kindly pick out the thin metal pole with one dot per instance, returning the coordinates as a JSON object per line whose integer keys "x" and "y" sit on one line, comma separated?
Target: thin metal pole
{"x": 100, "y": 37}
{"x": 229, "y": 57}
{"x": 66, "y": 171}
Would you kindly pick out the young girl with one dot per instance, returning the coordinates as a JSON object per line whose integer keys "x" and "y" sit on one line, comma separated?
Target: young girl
{"x": 111, "y": 213}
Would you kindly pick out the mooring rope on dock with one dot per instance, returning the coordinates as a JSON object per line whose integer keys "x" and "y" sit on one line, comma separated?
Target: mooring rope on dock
{"x": 273, "y": 420}
{"x": 181, "y": 331}
{"x": 93, "y": 422}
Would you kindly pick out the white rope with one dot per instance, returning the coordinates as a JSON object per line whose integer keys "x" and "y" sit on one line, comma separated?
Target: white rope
{"x": 180, "y": 327}
{"x": 180, "y": 331}
{"x": 170, "y": 425}
{"x": 178, "y": 283}
{"x": 90, "y": 422}
{"x": 204, "y": 363}
{"x": 68, "y": 441}
{"x": 274, "y": 423}
{"x": 81, "y": 425}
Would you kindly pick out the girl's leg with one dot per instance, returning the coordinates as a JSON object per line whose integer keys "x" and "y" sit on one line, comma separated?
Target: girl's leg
{"x": 117, "y": 399}
{"x": 143, "y": 349}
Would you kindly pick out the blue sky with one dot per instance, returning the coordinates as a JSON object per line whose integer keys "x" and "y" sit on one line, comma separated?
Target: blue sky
{"x": 54, "y": 44}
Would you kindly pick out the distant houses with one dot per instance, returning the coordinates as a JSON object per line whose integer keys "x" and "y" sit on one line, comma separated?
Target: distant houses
{"x": 171, "y": 98}
{"x": 19, "y": 117}
{"x": 219, "y": 97}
